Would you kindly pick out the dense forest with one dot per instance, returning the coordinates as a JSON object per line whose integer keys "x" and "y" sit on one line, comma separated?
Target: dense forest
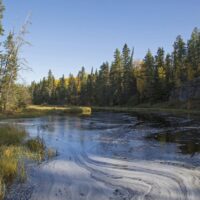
{"x": 125, "y": 81}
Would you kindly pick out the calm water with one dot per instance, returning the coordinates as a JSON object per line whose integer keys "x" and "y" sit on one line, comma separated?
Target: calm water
{"x": 120, "y": 135}
{"x": 115, "y": 156}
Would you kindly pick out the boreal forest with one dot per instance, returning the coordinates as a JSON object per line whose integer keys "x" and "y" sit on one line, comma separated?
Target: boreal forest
{"x": 126, "y": 80}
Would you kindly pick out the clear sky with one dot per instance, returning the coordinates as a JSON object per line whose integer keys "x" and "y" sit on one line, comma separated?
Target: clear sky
{"x": 68, "y": 34}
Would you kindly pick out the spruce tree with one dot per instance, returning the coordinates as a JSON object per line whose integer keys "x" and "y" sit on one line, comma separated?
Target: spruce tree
{"x": 179, "y": 58}
{"x": 116, "y": 78}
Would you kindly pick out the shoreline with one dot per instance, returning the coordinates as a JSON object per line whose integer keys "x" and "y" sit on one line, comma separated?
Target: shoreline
{"x": 39, "y": 111}
{"x": 33, "y": 111}
{"x": 147, "y": 110}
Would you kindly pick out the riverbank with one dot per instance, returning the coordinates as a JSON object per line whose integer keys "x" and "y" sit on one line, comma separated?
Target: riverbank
{"x": 39, "y": 110}
{"x": 153, "y": 110}
{"x": 43, "y": 110}
{"x": 15, "y": 150}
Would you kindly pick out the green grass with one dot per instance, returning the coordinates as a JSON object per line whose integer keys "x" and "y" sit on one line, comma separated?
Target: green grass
{"x": 14, "y": 150}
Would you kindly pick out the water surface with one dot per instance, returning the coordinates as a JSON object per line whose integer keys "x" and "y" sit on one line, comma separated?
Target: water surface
{"x": 117, "y": 156}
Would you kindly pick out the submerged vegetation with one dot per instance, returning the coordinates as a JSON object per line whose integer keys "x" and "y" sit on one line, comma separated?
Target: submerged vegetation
{"x": 15, "y": 149}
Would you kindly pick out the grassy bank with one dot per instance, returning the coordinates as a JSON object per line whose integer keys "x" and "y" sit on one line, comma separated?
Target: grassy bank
{"x": 38, "y": 110}
{"x": 152, "y": 109}
{"x": 15, "y": 150}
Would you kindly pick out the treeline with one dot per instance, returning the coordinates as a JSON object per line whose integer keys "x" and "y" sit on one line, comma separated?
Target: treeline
{"x": 12, "y": 95}
{"x": 125, "y": 81}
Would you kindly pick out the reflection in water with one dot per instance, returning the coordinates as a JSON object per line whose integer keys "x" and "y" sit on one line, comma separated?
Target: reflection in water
{"x": 144, "y": 137}
{"x": 188, "y": 141}
{"x": 116, "y": 156}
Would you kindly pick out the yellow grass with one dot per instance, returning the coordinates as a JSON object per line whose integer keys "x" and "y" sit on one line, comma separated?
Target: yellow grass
{"x": 14, "y": 150}
{"x": 38, "y": 110}
{"x": 65, "y": 109}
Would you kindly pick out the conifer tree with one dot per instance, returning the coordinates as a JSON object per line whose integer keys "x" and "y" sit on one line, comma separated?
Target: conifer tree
{"x": 179, "y": 58}
{"x": 61, "y": 91}
{"x": 148, "y": 76}
{"x": 102, "y": 85}
{"x": 116, "y": 75}
{"x": 193, "y": 55}
{"x": 128, "y": 75}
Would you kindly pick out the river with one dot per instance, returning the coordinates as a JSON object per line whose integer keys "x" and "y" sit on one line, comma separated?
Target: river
{"x": 115, "y": 156}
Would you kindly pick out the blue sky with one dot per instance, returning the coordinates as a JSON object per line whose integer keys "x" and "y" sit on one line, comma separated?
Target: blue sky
{"x": 68, "y": 34}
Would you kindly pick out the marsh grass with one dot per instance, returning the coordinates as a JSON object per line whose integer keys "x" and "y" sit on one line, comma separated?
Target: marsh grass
{"x": 39, "y": 110}
{"x": 59, "y": 109}
{"x": 14, "y": 151}
{"x": 10, "y": 135}
{"x": 37, "y": 145}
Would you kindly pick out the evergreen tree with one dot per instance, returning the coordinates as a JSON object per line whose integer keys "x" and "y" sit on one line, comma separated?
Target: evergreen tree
{"x": 9, "y": 71}
{"x": 179, "y": 58}
{"x": 116, "y": 78}
{"x": 147, "y": 75}
{"x": 72, "y": 90}
{"x": 61, "y": 91}
{"x": 103, "y": 85}
{"x": 169, "y": 79}
{"x": 51, "y": 88}
{"x": 151, "y": 80}
{"x": 90, "y": 89}
{"x": 193, "y": 55}
{"x": 82, "y": 81}
{"x": 159, "y": 76}
{"x": 129, "y": 82}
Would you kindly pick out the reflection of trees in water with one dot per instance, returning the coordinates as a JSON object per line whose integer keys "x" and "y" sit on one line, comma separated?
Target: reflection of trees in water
{"x": 187, "y": 141}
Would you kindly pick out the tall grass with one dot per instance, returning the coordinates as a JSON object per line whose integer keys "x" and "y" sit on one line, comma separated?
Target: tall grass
{"x": 59, "y": 109}
{"x": 14, "y": 150}
{"x": 37, "y": 145}
{"x": 10, "y": 135}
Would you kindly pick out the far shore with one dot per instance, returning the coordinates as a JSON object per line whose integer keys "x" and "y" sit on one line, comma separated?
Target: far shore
{"x": 43, "y": 110}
